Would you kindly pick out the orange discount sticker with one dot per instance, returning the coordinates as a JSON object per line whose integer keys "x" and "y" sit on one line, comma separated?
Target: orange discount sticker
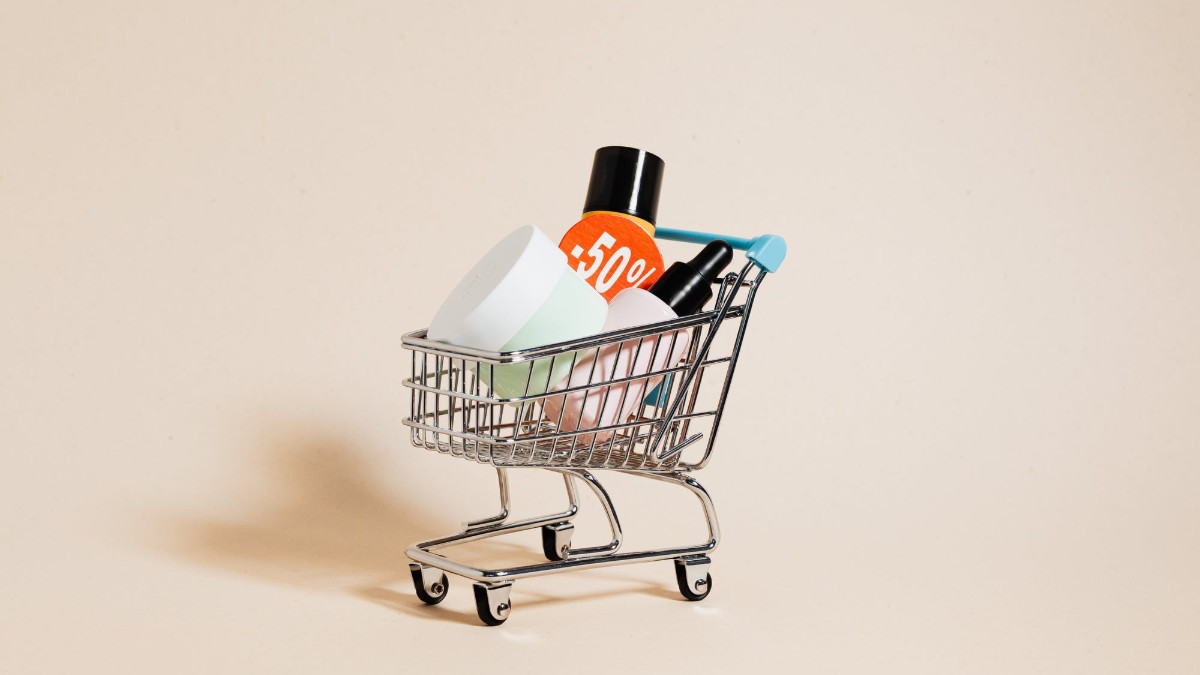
{"x": 612, "y": 253}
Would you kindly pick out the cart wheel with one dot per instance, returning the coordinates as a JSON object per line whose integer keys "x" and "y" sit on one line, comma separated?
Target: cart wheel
{"x": 693, "y": 578}
{"x": 492, "y": 603}
{"x": 556, "y": 540}
{"x": 435, "y": 590}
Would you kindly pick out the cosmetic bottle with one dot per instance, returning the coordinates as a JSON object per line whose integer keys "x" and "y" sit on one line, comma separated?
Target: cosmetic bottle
{"x": 625, "y": 182}
{"x": 612, "y": 247}
{"x": 521, "y": 294}
{"x": 683, "y": 289}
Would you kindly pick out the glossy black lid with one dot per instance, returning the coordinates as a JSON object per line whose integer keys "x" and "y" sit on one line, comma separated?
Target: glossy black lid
{"x": 625, "y": 180}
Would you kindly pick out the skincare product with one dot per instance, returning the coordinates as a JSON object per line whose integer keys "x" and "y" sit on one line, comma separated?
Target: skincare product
{"x": 613, "y": 246}
{"x": 521, "y": 294}
{"x": 625, "y": 182}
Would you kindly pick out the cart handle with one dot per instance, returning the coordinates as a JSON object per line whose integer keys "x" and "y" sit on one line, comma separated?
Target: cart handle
{"x": 766, "y": 250}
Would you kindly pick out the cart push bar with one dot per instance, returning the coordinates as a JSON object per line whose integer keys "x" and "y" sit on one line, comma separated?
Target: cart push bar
{"x": 766, "y": 250}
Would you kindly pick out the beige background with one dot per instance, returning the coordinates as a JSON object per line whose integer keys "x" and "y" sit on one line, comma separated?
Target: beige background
{"x": 965, "y": 434}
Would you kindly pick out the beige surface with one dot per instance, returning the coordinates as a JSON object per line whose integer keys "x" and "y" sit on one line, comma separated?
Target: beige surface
{"x": 965, "y": 437}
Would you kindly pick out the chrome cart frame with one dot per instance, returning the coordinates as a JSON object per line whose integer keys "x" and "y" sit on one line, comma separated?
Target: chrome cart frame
{"x": 660, "y": 367}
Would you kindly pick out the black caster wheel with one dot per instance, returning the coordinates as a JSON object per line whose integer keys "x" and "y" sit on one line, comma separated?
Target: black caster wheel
{"x": 435, "y": 592}
{"x": 492, "y": 603}
{"x": 691, "y": 585}
{"x": 556, "y": 540}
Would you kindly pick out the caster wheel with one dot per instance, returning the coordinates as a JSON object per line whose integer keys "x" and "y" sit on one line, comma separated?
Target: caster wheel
{"x": 556, "y": 540}
{"x": 434, "y": 590}
{"x": 705, "y": 583}
{"x": 693, "y": 579}
{"x": 492, "y": 603}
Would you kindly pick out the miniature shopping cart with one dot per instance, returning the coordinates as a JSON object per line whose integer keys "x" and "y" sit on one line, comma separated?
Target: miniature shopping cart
{"x": 456, "y": 412}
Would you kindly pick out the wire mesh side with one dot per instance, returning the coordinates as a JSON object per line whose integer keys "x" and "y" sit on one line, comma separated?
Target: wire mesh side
{"x": 600, "y": 415}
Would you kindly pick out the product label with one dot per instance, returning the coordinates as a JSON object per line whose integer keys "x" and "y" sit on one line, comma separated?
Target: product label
{"x": 612, "y": 253}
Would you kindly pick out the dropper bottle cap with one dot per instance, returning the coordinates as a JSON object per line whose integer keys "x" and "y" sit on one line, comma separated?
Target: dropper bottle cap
{"x": 686, "y": 286}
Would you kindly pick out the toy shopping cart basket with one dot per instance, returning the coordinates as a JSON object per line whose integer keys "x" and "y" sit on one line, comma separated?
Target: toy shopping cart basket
{"x": 677, "y": 375}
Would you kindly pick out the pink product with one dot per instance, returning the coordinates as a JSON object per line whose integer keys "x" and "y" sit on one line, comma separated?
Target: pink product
{"x": 606, "y": 405}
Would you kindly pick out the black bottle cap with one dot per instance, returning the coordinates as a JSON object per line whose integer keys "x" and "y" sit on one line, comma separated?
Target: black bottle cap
{"x": 686, "y": 286}
{"x": 625, "y": 180}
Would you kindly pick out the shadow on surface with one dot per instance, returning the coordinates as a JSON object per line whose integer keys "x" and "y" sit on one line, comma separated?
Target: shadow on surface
{"x": 325, "y": 523}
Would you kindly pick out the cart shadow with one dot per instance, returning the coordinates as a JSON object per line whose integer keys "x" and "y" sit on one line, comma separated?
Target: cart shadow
{"x": 326, "y": 524}
{"x": 323, "y": 522}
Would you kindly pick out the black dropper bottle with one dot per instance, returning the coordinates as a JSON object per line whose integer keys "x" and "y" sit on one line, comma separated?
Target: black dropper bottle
{"x": 686, "y": 286}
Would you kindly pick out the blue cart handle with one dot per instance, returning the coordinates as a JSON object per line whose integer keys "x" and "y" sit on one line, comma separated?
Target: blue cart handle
{"x": 767, "y": 250}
